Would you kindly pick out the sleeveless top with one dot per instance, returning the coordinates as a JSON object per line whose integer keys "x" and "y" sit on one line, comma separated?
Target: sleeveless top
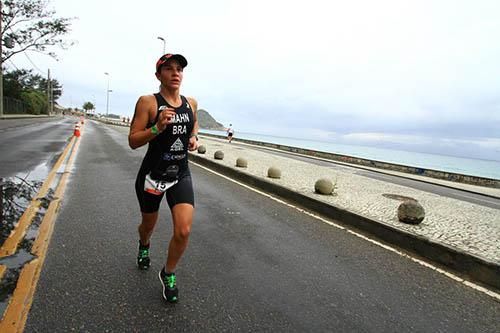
{"x": 170, "y": 146}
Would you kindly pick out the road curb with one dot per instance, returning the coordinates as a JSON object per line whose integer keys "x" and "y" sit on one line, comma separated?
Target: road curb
{"x": 21, "y": 116}
{"x": 467, "y": 265}
{"x": 17, "y": 126}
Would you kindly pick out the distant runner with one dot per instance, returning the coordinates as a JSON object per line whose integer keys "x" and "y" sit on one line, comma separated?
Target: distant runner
{"x": 168, "y": 122}
{"x": 230, "y": 133}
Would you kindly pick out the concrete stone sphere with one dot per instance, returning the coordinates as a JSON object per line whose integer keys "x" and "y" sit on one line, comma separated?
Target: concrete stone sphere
{"x": 324, "y": 186}
{"x": 241, "y": 162}
{"x": 274, "y": 172}
{"x": 202, "y": 149}
{"x": 411, "y": 212}
{"x": 219, "y": 155}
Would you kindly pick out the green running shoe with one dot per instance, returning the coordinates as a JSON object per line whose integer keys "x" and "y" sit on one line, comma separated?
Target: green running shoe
{"x": 170, "y": 291}
{"x": 143, "y": 261}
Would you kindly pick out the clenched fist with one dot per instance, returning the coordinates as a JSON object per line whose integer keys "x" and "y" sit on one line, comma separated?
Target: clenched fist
{"x": 193, "y": 143}
{"x": 166, "y": 117}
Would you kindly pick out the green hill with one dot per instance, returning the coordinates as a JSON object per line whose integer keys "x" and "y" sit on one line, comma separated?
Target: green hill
{"x": 206, "y": 121}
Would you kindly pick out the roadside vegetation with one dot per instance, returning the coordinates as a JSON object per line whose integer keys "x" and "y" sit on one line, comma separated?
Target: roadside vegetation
{"x": 30, "y": 26}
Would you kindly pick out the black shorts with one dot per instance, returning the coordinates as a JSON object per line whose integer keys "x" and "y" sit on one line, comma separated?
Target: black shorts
{"x": 230, "y": 134}
{"x": 182, "y": 192}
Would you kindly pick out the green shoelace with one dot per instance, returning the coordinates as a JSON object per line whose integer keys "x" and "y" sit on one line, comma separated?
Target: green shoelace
{"x": 143, "y": 253}
{"x": 171, "y": 281}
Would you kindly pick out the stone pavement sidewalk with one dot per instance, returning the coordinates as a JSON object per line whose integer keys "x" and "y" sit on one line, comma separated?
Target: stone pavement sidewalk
{"x": 463, "y": 226}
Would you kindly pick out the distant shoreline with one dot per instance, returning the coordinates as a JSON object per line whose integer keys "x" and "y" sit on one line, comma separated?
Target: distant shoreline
{"x": 406, "y": 151}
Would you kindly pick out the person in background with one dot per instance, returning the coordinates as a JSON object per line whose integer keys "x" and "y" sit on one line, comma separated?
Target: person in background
{"x": 230, "y": 133}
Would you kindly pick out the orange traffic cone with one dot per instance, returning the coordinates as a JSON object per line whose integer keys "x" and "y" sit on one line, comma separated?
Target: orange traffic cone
{"x": 77, "y": 130}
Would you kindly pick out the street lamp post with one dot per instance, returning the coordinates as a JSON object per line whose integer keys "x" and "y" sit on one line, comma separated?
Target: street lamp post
{"x": 163, "y": 40}
{"x": 107, "y": 97}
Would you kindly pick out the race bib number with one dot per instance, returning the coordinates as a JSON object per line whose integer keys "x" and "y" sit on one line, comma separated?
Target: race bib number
{"x": 157, "y": 187}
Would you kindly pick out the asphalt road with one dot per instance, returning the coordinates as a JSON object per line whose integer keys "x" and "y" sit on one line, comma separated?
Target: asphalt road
{"x": 26, "y": 144}
{"x": 252, "y": 265}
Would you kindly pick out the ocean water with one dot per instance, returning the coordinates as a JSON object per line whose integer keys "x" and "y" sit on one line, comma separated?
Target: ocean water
{"x": 473, "y": 167}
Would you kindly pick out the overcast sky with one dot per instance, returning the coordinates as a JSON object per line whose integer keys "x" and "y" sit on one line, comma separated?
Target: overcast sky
{"x": 416, "y": 75}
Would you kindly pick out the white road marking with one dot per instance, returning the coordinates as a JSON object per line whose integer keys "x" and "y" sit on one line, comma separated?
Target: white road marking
{"x": 387, "y": 247}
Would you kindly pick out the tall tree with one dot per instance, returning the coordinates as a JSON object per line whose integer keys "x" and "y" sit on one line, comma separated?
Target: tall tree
{"x": 15, "y": 82}
{"x": 36, "y": 101}
{"x": 30, "y": 25}
{"x": 20, "y": 80}
{"x": 88, "y": 106}
{"x": 38, "y": 82}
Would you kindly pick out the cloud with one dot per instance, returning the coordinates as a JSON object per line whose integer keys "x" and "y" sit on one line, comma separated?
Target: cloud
{"x": 482, "y": 148}
{"x": 404, "y": 70}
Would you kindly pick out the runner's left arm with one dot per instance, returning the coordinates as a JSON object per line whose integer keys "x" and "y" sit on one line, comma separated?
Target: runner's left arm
{"x": 193, "y": 141}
